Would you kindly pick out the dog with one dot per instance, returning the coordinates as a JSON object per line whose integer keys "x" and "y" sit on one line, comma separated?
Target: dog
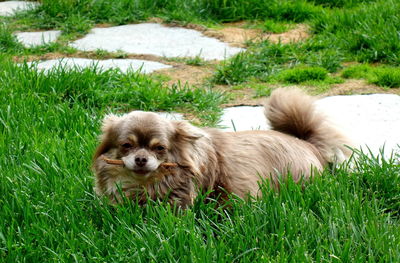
{"x": 301, "y": 141}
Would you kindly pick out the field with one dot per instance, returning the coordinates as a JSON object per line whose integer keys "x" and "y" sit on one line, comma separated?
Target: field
{"x": 49, "y": 125}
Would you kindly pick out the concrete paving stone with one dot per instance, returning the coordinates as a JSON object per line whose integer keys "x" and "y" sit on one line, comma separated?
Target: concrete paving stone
{"x": 172, "y": 116}
{"x": 243, "y": 118}
{"x": 29, "y": 39}
{"x": 155, "y": 39}
{"x": 371, "y": 121}
{"x": 123, "y": 64}
{"x": 9, "y": 8}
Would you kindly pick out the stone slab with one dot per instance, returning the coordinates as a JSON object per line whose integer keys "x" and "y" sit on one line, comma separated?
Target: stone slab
{"x": 171, "y": 116}
{"x": 155, "y": 39}
{"x": 123, "y": 64}
{"x": 29, "y": 39}
{"x": 369, "y": 120}
{"x": 243, "y": 118}
{"x": 9, "y": 8}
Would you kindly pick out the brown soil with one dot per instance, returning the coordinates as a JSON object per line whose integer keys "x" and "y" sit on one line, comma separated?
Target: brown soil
{"x": 356, "y": 86}
{"x": 93, "y": 55}
{"x": 241, "y": 97}
{"x": 297, "y": 34}
{"x": 352, "y": 86}
{"x": 237, "y": 36}
{"x": 192, "y": 75}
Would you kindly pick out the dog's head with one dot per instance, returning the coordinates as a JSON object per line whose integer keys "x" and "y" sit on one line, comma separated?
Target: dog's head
{"x": 144, "y": 140}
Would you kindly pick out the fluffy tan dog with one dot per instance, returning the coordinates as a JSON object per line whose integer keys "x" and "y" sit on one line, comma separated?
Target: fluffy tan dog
{"x": 300, "y": 142}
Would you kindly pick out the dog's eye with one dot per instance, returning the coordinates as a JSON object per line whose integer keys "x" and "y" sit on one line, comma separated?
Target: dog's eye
{"x": 160, "y": 148}
{"x": 127, "y": 145}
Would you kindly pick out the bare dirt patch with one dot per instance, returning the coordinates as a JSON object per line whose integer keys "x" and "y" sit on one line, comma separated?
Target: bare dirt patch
{"x": 192, "y": 75}
{"x": 238, "y": 36}
{"x": 246, "y": 96}
{"x": 297, "y": 34}
{"x": 357, "y": 86}
{"x": 241, "y": 97}
{"x": 93, "y": 55}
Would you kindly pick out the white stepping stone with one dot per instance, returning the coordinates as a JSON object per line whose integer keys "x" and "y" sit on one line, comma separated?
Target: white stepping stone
{"x": 155, "y": 39}
{"x": 369, "y": 120}
{"x": 123, "y": 64}
{"x": 172, "y": 116}
{"x": 29, "y": 39}
{"x": 9, "y": 8}
{"x": 244, "y": 118}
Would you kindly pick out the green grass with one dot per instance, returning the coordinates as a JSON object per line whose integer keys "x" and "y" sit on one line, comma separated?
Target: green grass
{"x": 49, "y": 213}
{"x": 387, "y": 77}
{"x": 383, "y": 76}
{"x": 367, "y": 33}
{"x": 262, "y": 91}
{"x": 195, "y": 61}
{"x": 76, "y": 15}
{"x": 264, "y": 61}
{"x": 75, "y": 18}
{"x": 341, "y": 3}
{"x": 10, "y": 45}
{"x": 364, "y": 31}
{"x": 361, "y": 71}
{"x": 302, "y": 74}
{"x": 8, "y": 42}
{"x": 50, "y": 122}
{"x": 275, "y": 26}
{"x": 192, "y": 61}
{"x": 316, "y": 79}
{"x": 261, "y": 61}
{"x": 92, "y": 88}
{"x": 270, "y": 25}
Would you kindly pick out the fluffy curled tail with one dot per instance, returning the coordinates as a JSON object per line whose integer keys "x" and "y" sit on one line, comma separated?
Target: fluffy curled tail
{"x": 293, "y": 112}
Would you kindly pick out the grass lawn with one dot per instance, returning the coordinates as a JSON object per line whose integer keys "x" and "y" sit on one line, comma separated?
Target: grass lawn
{"x": 49, "y": 123}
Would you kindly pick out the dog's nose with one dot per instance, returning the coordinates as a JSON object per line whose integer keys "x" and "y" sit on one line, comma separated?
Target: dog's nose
{"x": 140, "y": 161}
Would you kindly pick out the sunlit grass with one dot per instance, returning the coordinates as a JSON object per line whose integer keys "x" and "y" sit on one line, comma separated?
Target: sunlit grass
{"x": 383, "y": 76}
{"x": 50, "y": 122}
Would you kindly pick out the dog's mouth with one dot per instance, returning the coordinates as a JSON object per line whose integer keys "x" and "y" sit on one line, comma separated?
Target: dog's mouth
{"x": 141, "y": 171}
{"x": 145, "y": 173}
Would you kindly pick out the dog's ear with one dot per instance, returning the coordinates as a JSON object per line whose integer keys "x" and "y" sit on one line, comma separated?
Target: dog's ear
{"x": 109, "y": 122}
{"x": 109, "y": 135}
{"x": 187, "y": 132}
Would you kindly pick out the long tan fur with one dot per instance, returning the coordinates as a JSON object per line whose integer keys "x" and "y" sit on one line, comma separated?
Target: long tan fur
{"x": 301, "y": 141}
{"x": 292, "y": 112}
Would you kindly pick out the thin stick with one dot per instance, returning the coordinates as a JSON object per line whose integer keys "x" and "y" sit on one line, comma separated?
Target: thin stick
{"x": 111, "y": 161}
{"x": 120, "y": 162}
{"x": 168, "y": 165}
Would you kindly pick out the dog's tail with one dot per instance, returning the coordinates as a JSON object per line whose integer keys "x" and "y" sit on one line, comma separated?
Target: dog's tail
{"x": 293, "y": 112}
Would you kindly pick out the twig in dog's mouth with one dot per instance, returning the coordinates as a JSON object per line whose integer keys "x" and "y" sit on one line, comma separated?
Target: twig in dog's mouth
{"x": 120, "y": 162}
